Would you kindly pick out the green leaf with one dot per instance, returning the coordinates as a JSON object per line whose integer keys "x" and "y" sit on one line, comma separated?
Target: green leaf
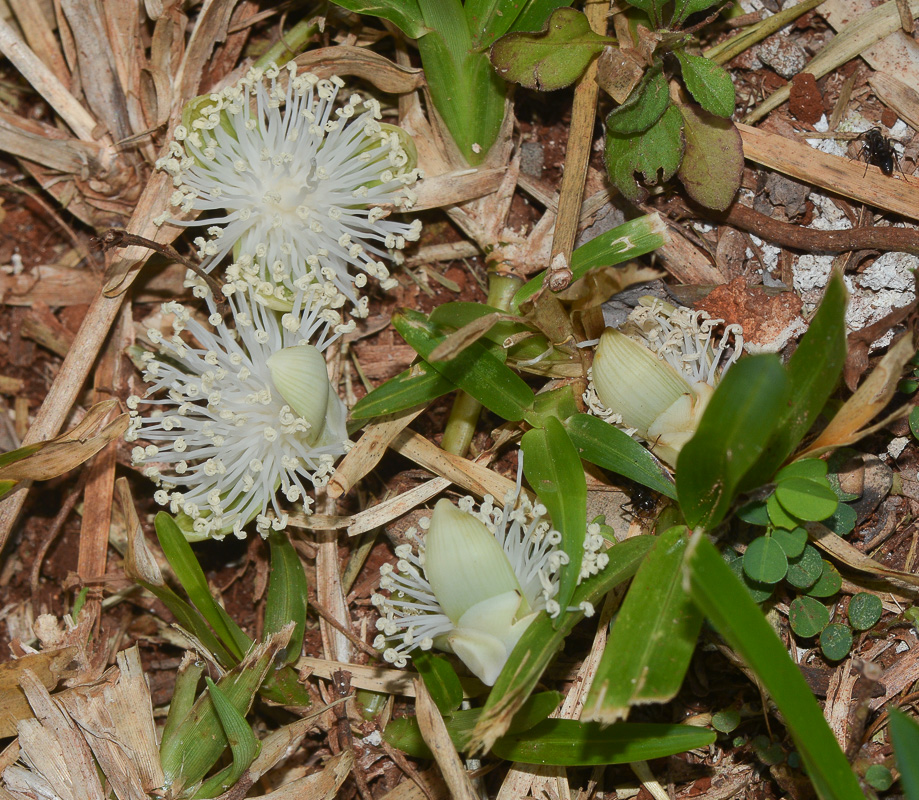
{"x": 569, "y": 743}
{"x": 653, "y": 9}
{"x": 806, "y": 499}
{"x": 760, "y": 592}
{"x": 877, "y": 776}
{"x": 405, "y": 14}
{"x": 475, "y": 370}
{"x": 489, "y": 19}
{"x": 553, "y": 468}
{"x": 553, "y": 58}
{"x": 608, "y": 447}
{"x": 726, "y": 720}
{"x": 243, "y": 744}
{"x": 652, "y": 639}
{"x": 732, "y": 433}
{"x": 765, "y": 561}
{"x": 285, "y": 601}
{"x": 829, "y": 582}
{"x": 441, "y": 681}
{"x": 807, "y": 616}
{"x": 842, "y": 521}
{"x": 792, "y": 542}
{"x": 814, "y": 469}
{"x": 836, "y": 641}
{"x": 755, "y": 513}
{"x": 418, "y": 385}
{"x": 778, "y": 516}
{"x": 865, "y": 611}
{"x": 656, "y": 150}
{"x": 624, "y": 242}
{"x": 805, "y": 570}
{"x": 686, "y": 8}
{"x": 904, "y": 734}
{"x": 722, "y": 599}
{"x": 710, "y": 85}
{"x": 914, "y": 422}
{"x": 182, "y": 559}
{"x": 713, "y": 162}
{"x": 644, "y": 106}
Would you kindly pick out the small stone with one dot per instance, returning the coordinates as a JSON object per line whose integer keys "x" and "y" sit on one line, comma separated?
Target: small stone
{"x": 805, "y": 100}
{"x": 532, "y": 159}
{"x": 787, "y": 58}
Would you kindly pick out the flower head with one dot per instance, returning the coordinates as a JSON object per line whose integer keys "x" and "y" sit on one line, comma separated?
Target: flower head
{"x": 245, "y": 412}
{"x": 303, "y": 184}
{"x": 478, "y": 580}
{"x": 657, "y": 373}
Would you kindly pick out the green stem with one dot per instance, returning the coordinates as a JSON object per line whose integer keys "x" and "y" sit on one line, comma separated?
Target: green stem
{"x": 291, "y": 43}
{"x": 464, "y": 416}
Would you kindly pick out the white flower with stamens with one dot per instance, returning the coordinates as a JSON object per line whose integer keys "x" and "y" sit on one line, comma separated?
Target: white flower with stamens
{"x": 479, "y": 579}
{"x": 245, "y": 413}
{"x": 656, "y": 374}
{"x": 306, "y": 187}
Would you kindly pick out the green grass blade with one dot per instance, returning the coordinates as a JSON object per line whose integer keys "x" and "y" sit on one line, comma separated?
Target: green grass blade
{"x": 286, "y": 597}
{"x": 904, "y": 733}
{"x": 729, "y": 607}
{"x": 417, "y": 386}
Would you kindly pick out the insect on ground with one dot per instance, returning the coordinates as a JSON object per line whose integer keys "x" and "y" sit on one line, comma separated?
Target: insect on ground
{"x": 879, "y": 152}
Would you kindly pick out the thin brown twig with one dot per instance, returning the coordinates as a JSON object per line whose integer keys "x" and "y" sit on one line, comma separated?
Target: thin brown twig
{"x": 327, "y": 616}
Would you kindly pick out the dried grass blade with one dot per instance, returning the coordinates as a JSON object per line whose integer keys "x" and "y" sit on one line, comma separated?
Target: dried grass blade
{"x": 40, "y": 36}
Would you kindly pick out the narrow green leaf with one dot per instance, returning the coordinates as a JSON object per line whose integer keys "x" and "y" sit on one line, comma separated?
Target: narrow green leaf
{"x": 765, "y": 560}
{"x": 865, "y": 611}
{"x": 652, "y": 639}
{"x": 418, "y": 385}
{"x": 553, "y": 468}
{"x": 608, "y": 447}
{"x": 710, "y": 85}
{"x": 807, "y": 616}
{"x": 553, "y": 58}
{"x": 644, "y": 106}
{"x": 441, "y": 681}
{"x": 655, "y": 153}
{"x": 734, "y": 429}
{"x": 725, "y": 602}
{"x": 183, "y": 696}
{"x": 405, "y": 14}
{"x": 182, "y": 559}
{"x": 904, "y": 733}
{"x": 624, "y": 242}
{"x": 286, "y": 597}
{"x": 570, "y": 743}
{"x": 475, "y": 370}
{"x": 713, "y": 161}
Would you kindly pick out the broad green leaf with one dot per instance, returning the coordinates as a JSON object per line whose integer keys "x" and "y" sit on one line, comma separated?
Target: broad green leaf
{"x": 553, "y": 58}
{"x": 542, "y": 640}
{"x": 792, "y": 542}
{"x": 765, "y": 561}
{"x": 732, "y": 433}
{"x": 489, "y": 19}
{"x": 865, "y": 611}
{"x": 904, "y": 734}
{"x": 624, "y": 242}
{"x": 556, "y": 403}
{"x": 877, "y": 776}
{"x": 760, "y": 592}
{"x": 476, "y": 370}
{"x": 458, "y": 315}
{"x": 725, "y": 602}
{"x": 836, "y": 641}
{"x": 805, "y": 570}
{"x": 686, "y": 8}
{"x": 652, "y": 639}
{"x": 806, "y": 499}
{"x": 829, "y": 582}
{"x": 814, "y": 469}
{"x": 710, "y": 85}
{"x": 778, "y": 516}
{"x": 418, "y": 385}
{"x": 608, "y": 447}
{"x": 405, "y": 14}
{"x": 655, "y": 153}
{"x": 570, "y": 743}
{"x": 644, "y": 106}
{"x": 441, "y": 681}
{"x": 553, "y": 468}
{"x": 807, "y": 616}
{"x": 713, "y": 160}
{"x": 286, "y": 596}
{"x": 244, "y": 746}
{"x": 813, "y": 370}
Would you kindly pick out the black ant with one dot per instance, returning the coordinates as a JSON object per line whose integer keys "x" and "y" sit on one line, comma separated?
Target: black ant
{"x": 642, "y": 500}
{"x": 878, "y": 151}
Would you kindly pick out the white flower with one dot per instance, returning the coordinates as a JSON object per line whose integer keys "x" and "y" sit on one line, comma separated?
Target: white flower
{"x": 657, "y": 373}
{"x": 304, "y": 185}
{"x": 479, "y": 579}
{"x": 245, "y": 413}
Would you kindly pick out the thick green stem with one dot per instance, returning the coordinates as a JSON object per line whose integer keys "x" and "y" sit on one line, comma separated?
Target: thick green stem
{"x": 291, "y": 43}
{"x": 464, "y": 415}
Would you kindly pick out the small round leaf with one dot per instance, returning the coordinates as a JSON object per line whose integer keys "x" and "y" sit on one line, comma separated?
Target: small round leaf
{"x": 842, "y": 521}
{"x": 726, "y": 720}
{"x": 829, "y": 582}
{"x": 807, "y": 616}
{"x": 767, "y": 751}
{"x": 760, "y": 592}
{"x": 778, "y": 516}
{"x": 765, "y": 560}
{"x": 878, "y": 777}
{"x": 864, "y": 611}
{"x": 754, "y": 513}
{"x": 806, "y": 499}
{"x": 792, "y": 542}
{"x": 914, "y": 421}
{"x": 810, "y": 468}
{"x": 805, "y": 570}
{"x": 836, "y": 641}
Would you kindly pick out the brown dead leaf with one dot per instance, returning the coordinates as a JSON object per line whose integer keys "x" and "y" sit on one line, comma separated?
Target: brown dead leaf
{"x": 48, "y": 666}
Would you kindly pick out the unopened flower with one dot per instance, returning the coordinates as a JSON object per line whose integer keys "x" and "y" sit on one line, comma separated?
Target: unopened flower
{"x": 305, "y": 186}
{"x": 245, "y": 413}
{"x": 657, "y": 373}
{"x": 478, "y": 580}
